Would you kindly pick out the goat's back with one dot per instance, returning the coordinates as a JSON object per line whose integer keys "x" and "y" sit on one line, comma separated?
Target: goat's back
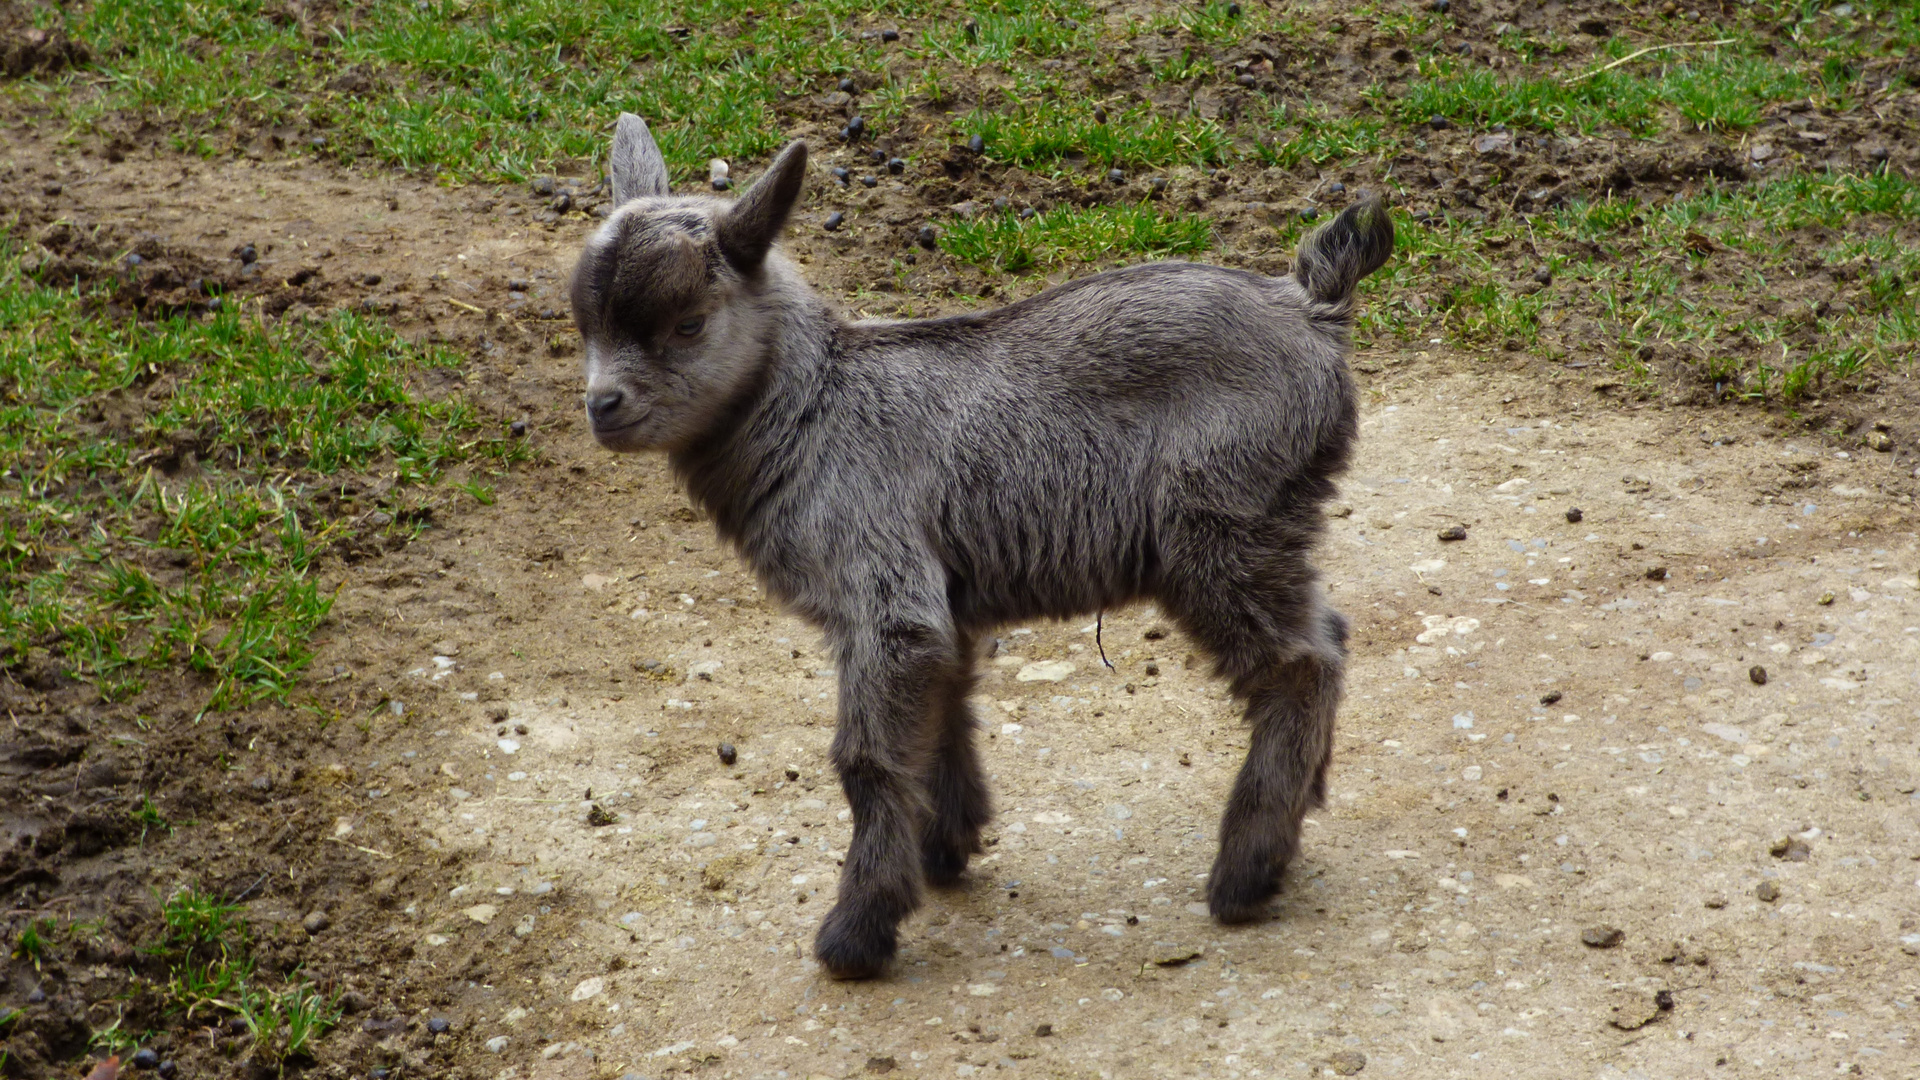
{"x": 1045, "y": 448}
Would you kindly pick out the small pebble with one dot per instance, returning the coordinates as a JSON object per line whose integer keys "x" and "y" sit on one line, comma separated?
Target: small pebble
{"x": 543, "y": 185}
{"x": 728, "y": 755}
{"x": 1246, "y": 79}
{"x": 927, "y": 237}
{"x": 897, "y": 166}
{"x": 439, "y": 1025}
{"x": 1454, "y": 532}
{"x": 1041, "y": 1031}
{"x": 1574, "y": 516}
{"x": 1438, "y": 122}
{"x": 977, "y": 144}
{"x": 877, "y": 154}
{"x": 1001, "y": 204}
{"x": 856, "y": 127}
{"x": 1602, "y": 937}
{"x": 316, "y": 921}
{"x": 1550, "y": 697}
{"x": 1099, "y": 114}
{"x": 1309, "y": 214}
{"x": 518, "y": 429}
{"x": 1336, "y": 188}
{"x": 1441, "y": 6}
{"x": 1027, "y": 212}
{"x": 841, "y": 173}
{"x": 1233, "y": 11}
{"x": 248, "y": 255}
{"x": 145, "y": 1058}
{"x": 562, "y": 203}
{"x": 1543, "y": 275}
{"x": 1758, "y": 674}
{"x": 793, "y": 773}
{"x": 849, "y": 86}
{"x": 1826, "y": 599}
{"x": 169, "y": 1070}
{"x": 889, "y": 35}
{"x": 1157, "y": 185}
{"x": 869, "y": 181}
{"x": 1766, "y": 892}
{"x": 1115, "y": 176}
{"x": 834, "y": 221}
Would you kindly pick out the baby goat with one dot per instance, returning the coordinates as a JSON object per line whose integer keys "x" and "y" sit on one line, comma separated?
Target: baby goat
{"x": 1163, "y": 432}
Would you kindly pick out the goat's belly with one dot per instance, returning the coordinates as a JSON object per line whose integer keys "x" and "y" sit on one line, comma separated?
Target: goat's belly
{"x": 1004, "y": 580}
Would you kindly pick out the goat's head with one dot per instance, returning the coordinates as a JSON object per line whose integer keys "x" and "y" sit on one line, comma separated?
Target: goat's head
{"x": 665, "y": 296}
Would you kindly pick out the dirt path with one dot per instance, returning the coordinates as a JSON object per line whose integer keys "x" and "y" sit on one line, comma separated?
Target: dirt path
{"x": 584, "y": 644}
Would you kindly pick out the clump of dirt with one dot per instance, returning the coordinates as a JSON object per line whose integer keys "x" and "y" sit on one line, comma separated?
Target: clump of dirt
{"x": 26, "y": 49}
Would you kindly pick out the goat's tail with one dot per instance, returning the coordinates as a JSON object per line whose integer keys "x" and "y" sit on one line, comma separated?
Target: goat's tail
{"x": 1335, "y": 256}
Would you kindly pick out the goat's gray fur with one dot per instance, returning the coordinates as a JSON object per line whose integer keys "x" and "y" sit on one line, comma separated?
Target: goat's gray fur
{"x": 1163, "y": 432}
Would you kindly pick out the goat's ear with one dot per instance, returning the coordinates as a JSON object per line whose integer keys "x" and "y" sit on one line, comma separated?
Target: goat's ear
{"x": 753, "y": 223}
{"x": 638, "y": 169}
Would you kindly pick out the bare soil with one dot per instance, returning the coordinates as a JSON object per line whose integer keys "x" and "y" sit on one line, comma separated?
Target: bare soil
{"x": 521, "y": 824}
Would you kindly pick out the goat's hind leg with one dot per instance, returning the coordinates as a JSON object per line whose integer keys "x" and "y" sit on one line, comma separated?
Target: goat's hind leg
{"x": 1248, "y": 594}
{"x": 1285, "y": 774}
{"x": 960, "y": 805}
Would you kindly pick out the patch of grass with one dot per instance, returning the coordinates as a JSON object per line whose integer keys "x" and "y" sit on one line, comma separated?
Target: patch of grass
{"x": 1720, "y": 89}
{"x": 1318, "y": 137}
{"x": 34, "y": 942}
{"x": 1639, "y": 277}
{"x": 116, "y": 569}
{"x": 285, "y": 1023}
{"x": 207, "y": 945}
{"x": 1013, "y": 244}
{"x": 1049, "y": 133}
{"x": 149, "y": 818}
{"x": 1002, "y": 33}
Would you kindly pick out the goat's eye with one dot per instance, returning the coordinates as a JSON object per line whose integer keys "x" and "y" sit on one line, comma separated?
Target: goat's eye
{"x": 690, "y": 327}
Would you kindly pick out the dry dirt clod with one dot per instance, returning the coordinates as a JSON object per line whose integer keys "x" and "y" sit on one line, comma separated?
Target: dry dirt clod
{"x": 1758, "y": 674}
{"x": 1791, "y": 849}
{"x": 1880, "y": 441}
{"x": 1550, "y": 697}
{"x": 1575, "y": 515}
{"x": 1635, "y": 1009}
{"x": 598, "y": 816}
{"x": 316, "y": 922}
{"x": 1826, "y": 599}
{"x": 1602, "y": 937}
{"x": 1347, "y": 1062}
{"x": 1454, "y": 532}
{"x": 1041, "y": 1031}
{"x": 881, "y": 1065}
{"x": 1766, "y": 892}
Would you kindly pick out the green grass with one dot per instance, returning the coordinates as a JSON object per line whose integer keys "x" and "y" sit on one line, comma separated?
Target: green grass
{"x": 1047, "y": 134}
{"x": 33, "y": 942}
{"x": 149, "y": 818}
{"x": 1066, "y": 235}
{"x": 1650, "y": 284}
{"x": 115, "y": 569}
{"x": 207, "y": 946}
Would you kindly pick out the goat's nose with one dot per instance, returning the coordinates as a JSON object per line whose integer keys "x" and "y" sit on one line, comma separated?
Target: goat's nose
{"x": 604, "y": 404}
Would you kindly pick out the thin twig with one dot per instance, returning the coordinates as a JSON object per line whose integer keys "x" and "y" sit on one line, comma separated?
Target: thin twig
{"x": 357, "y": 847}
{"x": 1098, "y": 619}
{"x": 1642, "y": 52}
{"x": 250, "y": 888}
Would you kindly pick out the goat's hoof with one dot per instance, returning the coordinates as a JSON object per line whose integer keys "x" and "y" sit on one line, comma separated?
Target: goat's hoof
{"x": 1240, "y": 898}
{"x": 851, "y": 947}
{"x": 944, "y": 864}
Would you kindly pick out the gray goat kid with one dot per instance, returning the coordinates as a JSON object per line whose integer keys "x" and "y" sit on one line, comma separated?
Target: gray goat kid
{"x": 1164, "y": 432}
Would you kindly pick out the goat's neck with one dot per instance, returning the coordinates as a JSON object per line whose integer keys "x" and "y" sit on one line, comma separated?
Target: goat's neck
{"x": 742, "y": 464}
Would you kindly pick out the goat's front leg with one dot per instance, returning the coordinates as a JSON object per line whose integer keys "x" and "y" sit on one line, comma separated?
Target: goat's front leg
{"x": 888, "y": 675}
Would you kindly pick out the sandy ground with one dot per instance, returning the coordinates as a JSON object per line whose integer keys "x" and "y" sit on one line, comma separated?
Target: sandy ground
{"x": 1551, "y": 734}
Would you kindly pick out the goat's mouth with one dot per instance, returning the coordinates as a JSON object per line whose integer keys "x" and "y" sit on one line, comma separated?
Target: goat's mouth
{"x": 617, "y": 436}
